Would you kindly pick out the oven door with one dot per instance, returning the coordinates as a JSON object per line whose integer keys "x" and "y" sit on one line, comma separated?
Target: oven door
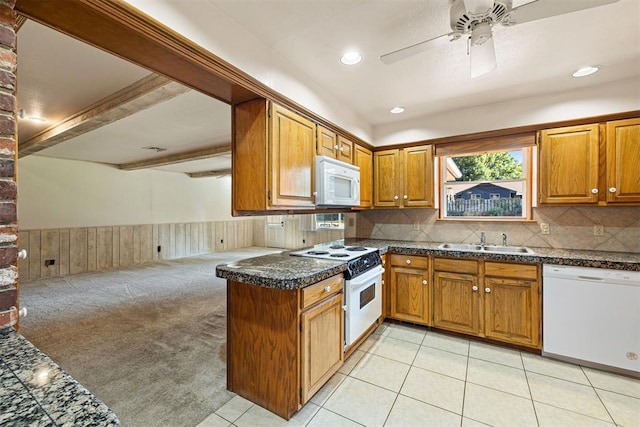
{"x": 363, "y": 296}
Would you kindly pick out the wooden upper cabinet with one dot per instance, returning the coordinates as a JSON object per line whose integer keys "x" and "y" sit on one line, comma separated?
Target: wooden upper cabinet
{"x": 345, "y": 149}
{"x": 272, "y": 158}
{"x": 568, "y": 165}
{"x": 330, "y": 144}
{"x": 573, "y": 170}
{"x": 292, "y": 155}
{"x": 622, "y": 159}
{"x": 418, "y": 176}
{"x": 363, "y": 158}
{"x": 326, "y": 142}
{"x": 403, "y": 178}
{"x": 386, "y": 188}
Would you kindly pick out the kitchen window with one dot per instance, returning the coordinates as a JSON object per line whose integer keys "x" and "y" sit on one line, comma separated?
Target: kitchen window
{"x": 486, "y": 184}
{"x": 332, "y": 221}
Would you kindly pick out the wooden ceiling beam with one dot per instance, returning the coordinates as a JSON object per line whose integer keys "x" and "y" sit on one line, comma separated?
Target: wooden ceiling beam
{"x": 207, "y": 174}
{"x": 144, "y": 93}
{"x": 178, "y": 158}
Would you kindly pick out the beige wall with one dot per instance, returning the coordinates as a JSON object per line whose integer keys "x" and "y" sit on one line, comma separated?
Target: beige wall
{"x": 57, "y": 193}
{"x": 571, "y": 228}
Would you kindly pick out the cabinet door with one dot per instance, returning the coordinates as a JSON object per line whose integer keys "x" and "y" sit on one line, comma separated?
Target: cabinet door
{"x": 623, "y": 158}
{"x": 292, "y": 153}
{"x": 512, "y": 310}
{"x": 456, "y": 302}
{"x": 326, "y": 142}
{"x": 363, "y": 158}
{"x": 410, "y": 294}
{"x": 568, "y": 165}
{"x": 322, "y": 345}
{"x": 345, "y": 150}
{"x": 418, "y": 176}
{"x": 386, "y": 173}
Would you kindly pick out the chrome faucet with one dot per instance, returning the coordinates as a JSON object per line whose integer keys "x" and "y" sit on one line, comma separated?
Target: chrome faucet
{"x": 482, "y": 239}
{"x": 504, "y": 239}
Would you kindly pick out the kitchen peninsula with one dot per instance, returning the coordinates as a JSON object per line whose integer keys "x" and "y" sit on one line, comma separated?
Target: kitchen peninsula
{"x": 272, "y": 342}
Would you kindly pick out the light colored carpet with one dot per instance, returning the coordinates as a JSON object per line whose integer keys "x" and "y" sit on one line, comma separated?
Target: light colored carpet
{"x": 148, "y": 341}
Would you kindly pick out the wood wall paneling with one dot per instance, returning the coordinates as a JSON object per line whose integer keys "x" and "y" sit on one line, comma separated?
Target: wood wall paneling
{"x": 104, "y": 247}
{"x": 77, "y": 251}
{"x": 126, "y": 245}
{"x": 64, "y": 252}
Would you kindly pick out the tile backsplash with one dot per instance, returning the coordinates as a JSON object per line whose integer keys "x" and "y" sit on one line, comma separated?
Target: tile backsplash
{"x": 570, "y": 228}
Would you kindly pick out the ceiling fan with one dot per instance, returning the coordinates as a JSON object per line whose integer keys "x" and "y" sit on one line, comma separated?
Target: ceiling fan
{"x": 477, "y": 17}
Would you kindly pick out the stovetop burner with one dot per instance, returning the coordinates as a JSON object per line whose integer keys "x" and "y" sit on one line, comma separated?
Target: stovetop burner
{"x": 318, "y": 253}
{"x": 356, "y": 248}
{"x": 336, "y": 247}
{"x": 339, "y": 255}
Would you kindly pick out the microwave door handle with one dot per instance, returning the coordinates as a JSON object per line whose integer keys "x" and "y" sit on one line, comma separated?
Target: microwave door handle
{"x": 354, "y": 186}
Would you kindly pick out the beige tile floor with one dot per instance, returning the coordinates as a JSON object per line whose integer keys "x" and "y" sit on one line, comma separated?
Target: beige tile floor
{"x": 404, "y": 375}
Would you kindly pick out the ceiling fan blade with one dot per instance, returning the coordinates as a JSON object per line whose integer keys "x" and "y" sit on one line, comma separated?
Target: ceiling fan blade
{"x": 483, "y": 58}
{"x": 546, "y": 8}
{"x": 406, "y": 52}
{"x": 477, "y": 7}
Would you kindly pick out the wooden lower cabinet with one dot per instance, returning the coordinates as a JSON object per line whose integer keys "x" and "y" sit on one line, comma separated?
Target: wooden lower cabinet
{"x": 512, "y": 303}
{"x": 409, "y": 288}
{"x": 322, "y": 348}
{"x": 283, "y": 345}
{"x": 503, "y": 304}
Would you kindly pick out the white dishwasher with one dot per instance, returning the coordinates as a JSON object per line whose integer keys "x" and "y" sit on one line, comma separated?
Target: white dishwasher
{"x": 592, "y": 315}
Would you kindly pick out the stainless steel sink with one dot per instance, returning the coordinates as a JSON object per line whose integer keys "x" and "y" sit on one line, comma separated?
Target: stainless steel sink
{"x": 487, "y": 248}
{"x": 460, "y": 247}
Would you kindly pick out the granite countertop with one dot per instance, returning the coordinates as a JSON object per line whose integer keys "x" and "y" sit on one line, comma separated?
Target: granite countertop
{"x": 284, "y": 271}
{"x": 34, "y": 391}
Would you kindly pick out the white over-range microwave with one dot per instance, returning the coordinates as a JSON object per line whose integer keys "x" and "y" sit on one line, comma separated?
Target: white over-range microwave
{"x": 337, "y": 183}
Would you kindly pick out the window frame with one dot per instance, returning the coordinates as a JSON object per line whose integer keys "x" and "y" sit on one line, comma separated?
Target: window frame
{"x": 529, "y": 175}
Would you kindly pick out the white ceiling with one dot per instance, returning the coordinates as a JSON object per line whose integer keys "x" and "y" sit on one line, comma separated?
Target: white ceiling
{"x": 533, "y": 58}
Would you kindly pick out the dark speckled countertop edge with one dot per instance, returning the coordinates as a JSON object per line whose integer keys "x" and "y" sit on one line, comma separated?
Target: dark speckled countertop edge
{"x": 34, "y": 390}
{"x": 283, "y": 271}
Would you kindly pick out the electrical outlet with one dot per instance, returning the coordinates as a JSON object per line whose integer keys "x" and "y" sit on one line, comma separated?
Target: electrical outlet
{"x": 159, "y": 248}
{"x": 48, "y": 262}
{"x": 416, "y": 226}
{"x": 304, "y": 241}
{"x": 598, "y": 230}
{"x": 544, "y": 228}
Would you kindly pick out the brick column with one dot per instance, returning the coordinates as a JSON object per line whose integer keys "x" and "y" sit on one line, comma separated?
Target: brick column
{"x": 8, "y": 145}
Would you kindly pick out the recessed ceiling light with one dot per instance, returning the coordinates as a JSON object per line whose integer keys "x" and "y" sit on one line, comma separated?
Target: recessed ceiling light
{"x": 396, "y": 110}
{"x": 351, "y": 58}
{"x": 586, "y": 71}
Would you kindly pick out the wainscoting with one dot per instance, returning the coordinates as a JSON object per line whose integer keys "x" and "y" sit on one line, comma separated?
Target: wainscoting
{"x": 61, "y": 252}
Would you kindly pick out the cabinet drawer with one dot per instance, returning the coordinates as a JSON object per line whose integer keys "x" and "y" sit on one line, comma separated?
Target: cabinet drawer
{"x": 321, "y": 290}
{"x": 409, "y": 261}
{"x": 469, "y": 266}
{"x": 502, "y": 269}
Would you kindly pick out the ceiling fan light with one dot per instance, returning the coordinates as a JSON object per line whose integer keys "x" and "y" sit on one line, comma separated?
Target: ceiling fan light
{"x": 586, "y": 71}
{"x": 481, "y": 34}
{"x": 483, "y": 58}
{"x": 351, "y": 58}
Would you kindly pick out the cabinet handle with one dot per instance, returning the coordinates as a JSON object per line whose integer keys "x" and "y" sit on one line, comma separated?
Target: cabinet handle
{"x": 408, "y": 261}
{"x": 315, "y": 193}
{"x": 424, "y": 282}
{"x": 395, "y": 197}
{"x": 22, "y": 254}
{"x": 594, "y": 190}
{"x": 474, "y": 288}
{"x": 612, "y": 190}
{"x": 327, "y": 288}
{"x": 382, "y": 281}
{"x": 341, "y": 149}
{"x": 405, "y": 197}
{"x": 487, "y": 290}
{"x": 335, "y": 147}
